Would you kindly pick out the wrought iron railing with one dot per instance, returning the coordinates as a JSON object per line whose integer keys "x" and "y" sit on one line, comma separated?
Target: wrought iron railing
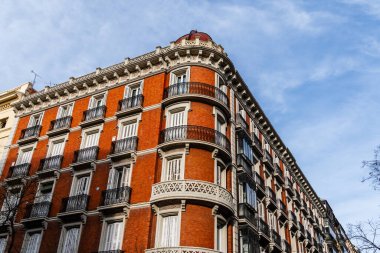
{"x": 50, "y": 163}
{"x": 33, "y": 131}
{"x": 270, "y": 193}
{"x": 242, "y": 161}
{"x": 40, "y": 209}
{"x": 86, "y": 154}
{"x": 94, "y": 113}
{"x": 195, "y": 133}
{"x": 19, "y": 170}
{"x": 276, "y": 238}
{"x": 259, "y": 181}
{"x": 75, "y": 203}
{"x": 278, "y": 172}
{"x": 197, "y": 89}
{"x": 115, "y": 196}
{"x": 64, "y": 122}
{"x": 241, "y": 121}
{"x": 268, "y": 157}
{"x": 244, "y": 211}
{"x": 263, "y": 227}
{"x": 130, "y": 102}
{"x": 123, "y": 145}
{"x": 256, "y": 142}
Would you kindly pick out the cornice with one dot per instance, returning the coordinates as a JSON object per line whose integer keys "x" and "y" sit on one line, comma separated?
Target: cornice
{"x": 164, "y": 59}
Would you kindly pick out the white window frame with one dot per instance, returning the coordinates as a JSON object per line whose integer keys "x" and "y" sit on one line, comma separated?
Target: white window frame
{"x": 177, "y": 107}
{"x": 126, "y": 180}
{"x": 224, "y": 87}
{"x": 223, "y": 173}
{"x": 87, "y": 131}
{"x": 217, "y": 113}
{"x": 24, "y": 149}
{"x": 95, "y": 96}
{"x": 71, "y": 105}
{"x": 133, "y": 85}
{"x": 63, "y": 232}
{"x": 54, "y": 140}
{"x": 107, "y": 220}
{"x": 174, "y": 74}
{"x": 41, "y": 116}
{"x": 218, "y": 218}
{"x": 177, "y": 153}
{"x": 75, "y": 180}
{"x": 32, "y": 231}
{"x": 39, "y": 188}
{"x": 124, "y": 121}
{"x": 163, "y": 213}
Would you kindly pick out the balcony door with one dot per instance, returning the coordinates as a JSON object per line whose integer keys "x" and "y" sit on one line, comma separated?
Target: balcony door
{"x": 91, "y": 139}
{"x": 128, "y": 129}
{"x": 81, "y": 185}
{"x": 169, "y": 232}
{"x": 44, "y": 192}
{"x": 56, "y": 148}
{"x": 132, "y": 91}
{"x": 32, "y": 242}
{"x": 119, "y": 177}
{"x": 25, "y": 156}
{"x": 173, "y": 170}
{"x": 70, "y": 240}
{"x": 35, "y": 120}
{"x": 64, "y": 111}
{"x": 113, "y": 236}
{"x": 97, "y": 101}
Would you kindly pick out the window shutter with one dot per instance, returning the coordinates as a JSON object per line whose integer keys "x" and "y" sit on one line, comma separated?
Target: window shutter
{"x": 71, "y": 240}
{"x": 173, "y": 171}
{"x": 111, "y": 179}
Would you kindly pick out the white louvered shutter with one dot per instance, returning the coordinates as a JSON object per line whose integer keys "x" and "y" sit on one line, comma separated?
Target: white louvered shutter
{"x": 91, "y": 140}
{"x": 169, "y": 232}
{"x": 71, "y": 240}
{"x": 24, "y": 157}
{"x": 177, "y": 118}
{"x": 128, "y": 130}
{"x": 173, "y": 171}
{"x": 57, "y": 148}
{"x": 32, "y": 243}
{"x": 113, "y": 236}
{"x": 81, "y": 186}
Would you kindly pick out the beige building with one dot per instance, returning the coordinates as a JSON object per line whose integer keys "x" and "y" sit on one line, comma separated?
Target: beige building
{"x": 7, "y": 117}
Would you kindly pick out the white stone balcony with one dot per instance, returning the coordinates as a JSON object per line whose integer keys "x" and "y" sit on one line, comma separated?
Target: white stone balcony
{"x": 194, "y": 190}
{"x": 181, "y": 250}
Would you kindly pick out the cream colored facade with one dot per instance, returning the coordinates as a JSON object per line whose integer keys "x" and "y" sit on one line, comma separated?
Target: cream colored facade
{"x": 7, "y": 117}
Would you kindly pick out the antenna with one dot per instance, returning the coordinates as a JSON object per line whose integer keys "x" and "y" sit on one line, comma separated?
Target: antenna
{"x": 35, "y": 76}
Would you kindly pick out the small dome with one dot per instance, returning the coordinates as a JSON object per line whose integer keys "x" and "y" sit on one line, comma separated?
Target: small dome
{"x": 194, "y": 34}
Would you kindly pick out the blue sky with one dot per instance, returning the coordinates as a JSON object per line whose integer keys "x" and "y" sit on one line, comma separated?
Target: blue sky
{"x": 314, "y": 67}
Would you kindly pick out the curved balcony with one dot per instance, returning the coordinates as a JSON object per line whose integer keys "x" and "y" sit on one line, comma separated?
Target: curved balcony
{"x": 196, "y": 135}
{"x": 198, "y": 92}
{"x": 192, "y": 190}
{"x": 184, "y": 249}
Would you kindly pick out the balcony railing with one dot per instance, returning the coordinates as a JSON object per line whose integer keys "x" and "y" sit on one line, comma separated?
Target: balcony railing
{"x": 75, "y": 203}
{"x": 301, "y": 228}
{"x": 282, "y": 206}
{"x": 29, "y": 132}
{"x": 292, "y": 216}
{"x": 50, "y": 163}
{"x": 196, "y": 89}
{"x": 263, "y": 227}
{"x": 278, "y": 173}
{"x": 115, "y": 196}
{"x": 259, "y": 181}
{"x": 130, "y": 102}
{"x": 270, "y": 193}
{"x": 20, "y": 170}
{"x": 94, "y": 113}
{"x": 243, "y": 161}
{"x": 245, "y": 212}
{"x": 192, "y": 189}
{"x": 37, "y": 210}
{"x": 195, "y": 133}
{"x": 86, "y": 154}
{"x": 124, "y": 145}
{"x": 257, "y": 144}
{"x": 182, "y": 249}
{"x": 64, "y": 122}
{"x": 241, "y": 121}
{"x": 286, "y": 246}
{"x": 276, "y": 238}
{"x": 268, "y": 158}
{"x": 297, "y": 198}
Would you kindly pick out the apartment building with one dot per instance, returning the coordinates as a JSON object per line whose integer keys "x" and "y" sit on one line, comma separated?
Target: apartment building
{"x": 168, "y": 152}
{"x": 7, "y": 117}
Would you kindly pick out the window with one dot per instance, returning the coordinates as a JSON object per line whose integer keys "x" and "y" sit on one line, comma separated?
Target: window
{"x": 119, "y": 177}
{"x": 91, "y": 139}
{"x": 260, "y": 209}
{"x": 132, "y": 90}
{"x": 64, "y": 111}
{"x": 32, "y": 242}
{"x": 169, "y": 231}
{"x": 3, "y": 243}
{"x": 244, "y": 147}
{"x": 249, "y": 195}
{"x": 173, "y": 169}
{"x": 44, "y": 192}
{"x": 221, "y": 124}
{"x": 221, "y": 235}
{"x": 97, "y": 101}
{"x": 177, "y": 118}
{"x": 80, "y": 185}
{"x": 112, "y": 235}
{"x": 70, "y": 239}
{"x": 3, "y": 122}
{"x": 221, "y": 175}
{"x": 56, "y": 147}
{"x": 35, "y": 120}
{"x": 180, "y": 76}
{"x": 242, "y": 112}
{"x": 273, "y": 221}
{"x": 220, "y": 83}
{"x": 248, "y": 241}
{"x": 128, "y": 129}
{"x": 24, "y": 156}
